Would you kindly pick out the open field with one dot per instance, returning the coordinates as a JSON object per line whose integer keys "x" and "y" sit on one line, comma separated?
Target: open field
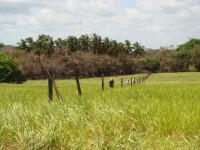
{"x": 161, "y": 113}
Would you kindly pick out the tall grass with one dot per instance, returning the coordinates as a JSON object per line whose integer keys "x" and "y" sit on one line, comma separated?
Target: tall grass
{"x": 160, "y": 113}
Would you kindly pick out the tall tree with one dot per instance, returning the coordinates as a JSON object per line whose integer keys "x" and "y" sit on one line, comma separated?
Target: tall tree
{"x": 105, "y": 45}
{"x": 128, "y": 47}
{"x": 96, "y": 44}
{"x": 138, "y": 49}
{"x": 27, "y": 44}
{"x": 120, "y": 48}
{"x": 84, "y": 42}
{"x": 60, "y": 43}
{"x": 72, "y": 44}
{"x": 44, "y": 45}
{"x": 113, "y": 49}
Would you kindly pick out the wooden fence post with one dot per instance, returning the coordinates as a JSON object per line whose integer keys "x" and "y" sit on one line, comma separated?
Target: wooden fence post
{"x": 121, "y": 82}
{"x": 131, "y": 81}
{"x": 77, "y": 83}
{"x": 56, "y": 89}
{"x": 51, "y": 84}
{"x": 102, "y": 79}
{"x": 50, "y": 88}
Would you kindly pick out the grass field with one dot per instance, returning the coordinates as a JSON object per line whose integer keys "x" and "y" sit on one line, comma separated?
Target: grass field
{"x": 161, "y": 113}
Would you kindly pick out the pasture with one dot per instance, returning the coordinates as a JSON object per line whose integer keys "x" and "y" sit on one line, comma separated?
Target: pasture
{"x": 161, "y": 113}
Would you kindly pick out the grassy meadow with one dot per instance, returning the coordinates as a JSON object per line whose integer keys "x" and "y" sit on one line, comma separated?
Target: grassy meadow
{"x": 161, "y": 113}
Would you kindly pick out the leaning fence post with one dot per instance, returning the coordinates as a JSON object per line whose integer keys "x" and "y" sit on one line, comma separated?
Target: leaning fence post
{"x": 56, "y": 89}
{"x": 50, "y": 88}
{"x": 121, "y": 82}
{"x": 102, "y": 80}
{"x": 78, "y": 84}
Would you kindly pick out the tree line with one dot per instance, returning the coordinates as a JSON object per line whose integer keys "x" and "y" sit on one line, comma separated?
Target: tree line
{"x": 93, "y": 56}
{"x": 85, "y": 43}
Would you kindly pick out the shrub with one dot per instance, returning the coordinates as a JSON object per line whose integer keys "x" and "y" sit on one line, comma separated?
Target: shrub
{"x": 9, "y": 71}
{"x": 196, "y": 58}
{"x": 152, "y": 65}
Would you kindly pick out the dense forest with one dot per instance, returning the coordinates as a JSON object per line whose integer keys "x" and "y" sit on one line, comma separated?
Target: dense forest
{"x": 93, "y": 56}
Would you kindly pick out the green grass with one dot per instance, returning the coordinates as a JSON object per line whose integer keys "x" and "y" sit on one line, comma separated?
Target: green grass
{"x": 160, "y": 113}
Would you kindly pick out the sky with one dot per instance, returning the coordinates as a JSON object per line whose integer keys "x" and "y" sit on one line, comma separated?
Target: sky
{"x": 152, "y": 23}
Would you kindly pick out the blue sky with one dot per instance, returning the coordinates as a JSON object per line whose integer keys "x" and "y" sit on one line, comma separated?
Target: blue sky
{"x": 153, "y": 23}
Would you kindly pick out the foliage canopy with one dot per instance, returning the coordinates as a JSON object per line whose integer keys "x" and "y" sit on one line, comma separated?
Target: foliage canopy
{"x": 9, "y": 71}
{"x": 189, "y": 45}
{"x": 93, "y": 55}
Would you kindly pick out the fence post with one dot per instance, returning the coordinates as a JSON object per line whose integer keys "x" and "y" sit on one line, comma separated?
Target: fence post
{"x": 50, "y": 88}
{"x": 56, "y": 88}
{"x": 121, "y": 82}
{"x": 77, "y": 83}
{"x": 131, "y": 81}
{"x": 102, "y": 79}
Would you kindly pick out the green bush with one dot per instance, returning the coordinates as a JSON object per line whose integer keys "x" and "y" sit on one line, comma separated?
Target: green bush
{"x": 152, "y": 65}
{"x": 196, "y": 58}
{"x": 148, "y": 64}
{"x": 1, "y": 45}
{"x": 9, "y": 71}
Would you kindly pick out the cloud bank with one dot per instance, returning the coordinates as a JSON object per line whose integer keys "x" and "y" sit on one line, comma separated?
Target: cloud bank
{"x": 153, "y": 23}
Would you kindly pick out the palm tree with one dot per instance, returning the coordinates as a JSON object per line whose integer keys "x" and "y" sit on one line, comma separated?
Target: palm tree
{"x": 120, "y": 48}
{"x": 128, "y": 47}
{"x": 113, "y": 49}
{"x": 72, "y": 43}
{"x": 60, "y": 43}
{"x": 44, "y": 45}
{"x": 105, "y": 45}
{"x": 96, "y": 44}
{"x": 138, "y": 49}
{"x": 84, "y": 42}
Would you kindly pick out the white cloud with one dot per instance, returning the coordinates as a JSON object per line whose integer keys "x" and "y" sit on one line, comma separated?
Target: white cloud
{"x": 182, "y": 14}
{"x": 196, "y": 9}
{"x": 152, "y": 22}
{"x": 154, "y": 28}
